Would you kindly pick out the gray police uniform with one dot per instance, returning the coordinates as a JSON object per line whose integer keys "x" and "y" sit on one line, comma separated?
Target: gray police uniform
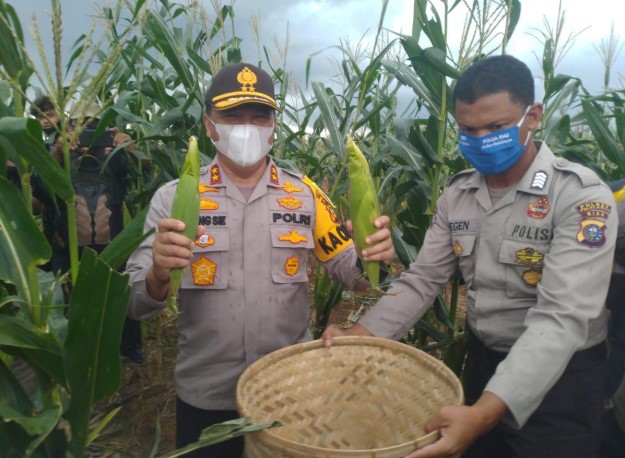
{"x": 536, "y": 267}
{"x": 246, "y": 291}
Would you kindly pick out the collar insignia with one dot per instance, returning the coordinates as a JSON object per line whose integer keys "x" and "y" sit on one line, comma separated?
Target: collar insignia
{"x": 273, "y": 176}
{"x": 293, "y": 237}
{"x": 539, "y": 180}
{"x": 215, "y": 174}
{"x": 203, "y": 271}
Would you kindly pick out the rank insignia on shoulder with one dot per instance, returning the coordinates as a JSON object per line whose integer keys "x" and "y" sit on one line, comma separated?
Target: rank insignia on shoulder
{"x": 539, "y": 180}
{"x": 203, "y": 271}
{"x": 215, "y": 174}
{"x": 288, "y": 187}
{"x": 273, "y": 175}
{"x": 458, "y": 250}
{"x": 291, "y": 266}
{"x": 529, "y": 256}
{"x": 207, "y": 204}
{"x": 290, "y": 203}
{"x": 594, "y": 210}
{"x": 203, "y": 188}
{"x": 204, "y": 240}
{"x": 591, "y": 233}
{"x": 532, "y": 277}
{"x": 293, "y": 237}
{"x": 538, "y": 209}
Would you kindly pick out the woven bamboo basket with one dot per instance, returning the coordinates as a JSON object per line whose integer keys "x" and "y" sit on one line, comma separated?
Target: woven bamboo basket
{"x": 364, "y": 397}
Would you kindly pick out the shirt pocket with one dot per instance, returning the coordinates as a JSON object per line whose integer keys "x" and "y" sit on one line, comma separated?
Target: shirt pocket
{"x": 464, "y": 247}
{"x": 523, "y": 265}
{"x": 289, "y": 253}
{"x": 209, "y": 264}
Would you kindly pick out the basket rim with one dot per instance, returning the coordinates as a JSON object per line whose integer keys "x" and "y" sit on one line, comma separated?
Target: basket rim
{"x": 283, "y": 353}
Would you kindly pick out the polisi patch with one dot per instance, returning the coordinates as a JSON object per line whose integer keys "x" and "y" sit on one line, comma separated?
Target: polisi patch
{"x": 538, "y": 209}
{"x": 203, "y": 271}
{"x": 594, "y": 210}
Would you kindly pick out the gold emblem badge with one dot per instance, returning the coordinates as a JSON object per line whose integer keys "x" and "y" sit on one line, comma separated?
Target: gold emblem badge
{"x": 538, "y": 209}
{"x": 248, "y": 79}
{"x": 215, "y": 174}
{"x": 458, "y": 248}
{"x": 591, "y": 232}
{"x": 294, "y": 237}
{"x": 203, "y": 271}
{"x": 204, "y": 241}
{"x": 529, "y": 257}
{"x": 203, "y": 188}
{"x": 531, "y": 277}
{"x": 288, "y": 187}
{"x": 207, "y": 204}
{"x": 273, "y": 175}
{"x": 291, "y": 266}
{"x": 290, "y": 203}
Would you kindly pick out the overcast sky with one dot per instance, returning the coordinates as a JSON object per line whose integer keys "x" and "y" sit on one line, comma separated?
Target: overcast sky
{"x": 316, "y": 25}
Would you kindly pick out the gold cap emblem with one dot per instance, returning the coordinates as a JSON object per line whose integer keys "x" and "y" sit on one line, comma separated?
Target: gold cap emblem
{"x": 248, "y": 79}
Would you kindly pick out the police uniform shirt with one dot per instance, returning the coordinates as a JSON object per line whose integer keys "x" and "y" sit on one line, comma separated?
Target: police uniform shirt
{"x": 536, "y": 266}
{"x": 245, "y": 293}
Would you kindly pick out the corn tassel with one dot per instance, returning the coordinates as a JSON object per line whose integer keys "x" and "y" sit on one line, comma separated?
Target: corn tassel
{"x": 364, "y": 207}
{"x": 186, "y": 208}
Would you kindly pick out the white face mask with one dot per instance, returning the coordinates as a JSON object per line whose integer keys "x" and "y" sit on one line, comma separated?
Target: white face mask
{"x": 244, "y": 144}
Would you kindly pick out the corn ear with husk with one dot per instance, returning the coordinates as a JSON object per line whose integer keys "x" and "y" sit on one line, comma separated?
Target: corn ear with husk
{"x": 186, "y": 208}
{"x": 364, "y": 206}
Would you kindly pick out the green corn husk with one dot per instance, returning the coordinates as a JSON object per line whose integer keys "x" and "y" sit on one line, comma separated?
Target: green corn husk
{"x": 186, "y": 208}
{"x": 364, "y": 206}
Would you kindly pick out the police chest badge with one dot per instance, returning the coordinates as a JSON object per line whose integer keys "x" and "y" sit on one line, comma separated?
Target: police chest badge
{"x": 532, "y": 277}
{"x": 538, "y": 209}
{"x": 293, "y": 237}
{"x": 458, "y": 250}
{"x": 290, "y": 203}
{"x": 207, "y": 204}
{"x": 289, "y": 187}
{"x": 204, "y": 240}
{"x": 203, "y": 271}
{"x": 291, "y": 266}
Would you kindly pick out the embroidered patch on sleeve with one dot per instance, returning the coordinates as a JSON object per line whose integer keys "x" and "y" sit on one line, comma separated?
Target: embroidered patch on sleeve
{"x": 591, "y": 232}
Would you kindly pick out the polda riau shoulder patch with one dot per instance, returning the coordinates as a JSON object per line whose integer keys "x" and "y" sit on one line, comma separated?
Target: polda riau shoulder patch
{"x": 592, "y": 226}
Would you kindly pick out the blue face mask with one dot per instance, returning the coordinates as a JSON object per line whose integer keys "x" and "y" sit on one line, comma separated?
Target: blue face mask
{"x": 496, "y": 152}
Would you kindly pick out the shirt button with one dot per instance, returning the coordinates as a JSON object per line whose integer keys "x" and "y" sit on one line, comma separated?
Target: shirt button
{"x": 562, "y": 162}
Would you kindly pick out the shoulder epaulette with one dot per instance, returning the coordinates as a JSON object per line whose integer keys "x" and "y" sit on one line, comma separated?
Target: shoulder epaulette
{"x": 460, "y": 174}
{"x": 586, "y": 176}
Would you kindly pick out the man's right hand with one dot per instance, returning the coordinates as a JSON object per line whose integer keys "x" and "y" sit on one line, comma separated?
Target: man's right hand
{"x": 170, "y": 250}
{"x": 332, "y": 331}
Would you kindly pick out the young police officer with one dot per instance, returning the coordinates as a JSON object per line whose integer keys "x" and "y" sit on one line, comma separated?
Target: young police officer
{"x": 533, "y": 236}
{"x": 245, "y": 292}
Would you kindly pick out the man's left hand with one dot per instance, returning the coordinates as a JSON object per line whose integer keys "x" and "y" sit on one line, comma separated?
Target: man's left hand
{"x": 380, "y": 243}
